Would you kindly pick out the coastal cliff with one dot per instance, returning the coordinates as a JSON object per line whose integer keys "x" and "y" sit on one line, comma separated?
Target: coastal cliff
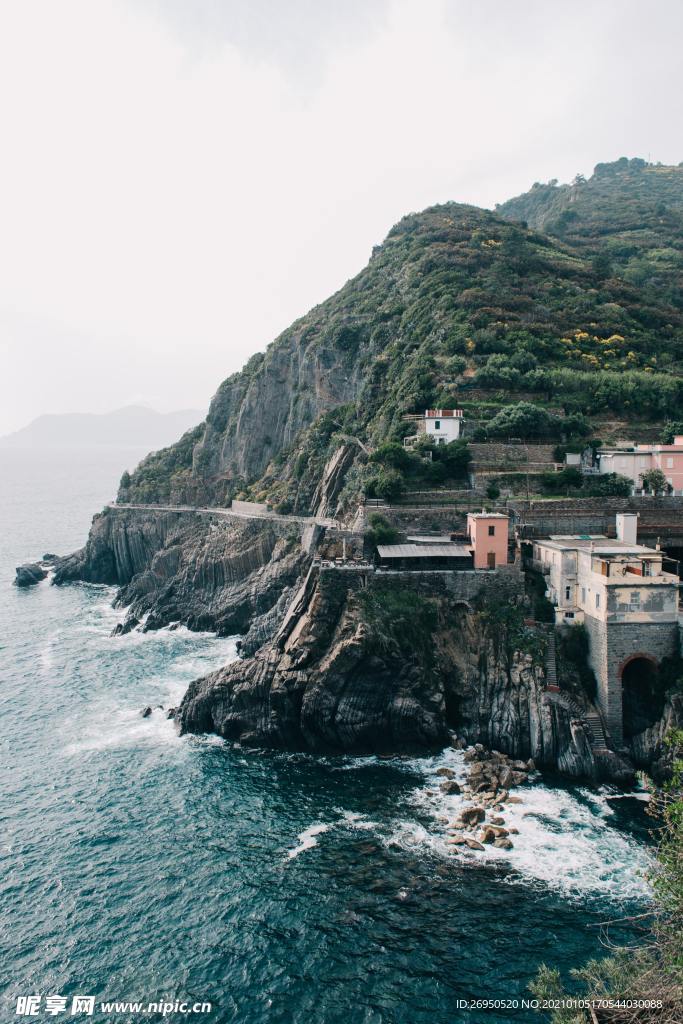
{"x": 368, "y": 664}
{"x": 203, "y": 571}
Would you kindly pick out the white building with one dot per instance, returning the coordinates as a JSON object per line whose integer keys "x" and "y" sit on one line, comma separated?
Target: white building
{"x": 440, "y": 425}
{"x": 632, "y": 461}
{"x": 444, "y": 425}
{"x": 628, "y": 602}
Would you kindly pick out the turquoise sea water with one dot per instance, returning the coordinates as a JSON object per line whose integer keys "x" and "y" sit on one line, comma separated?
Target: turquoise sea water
{"x": 135, "y": 865}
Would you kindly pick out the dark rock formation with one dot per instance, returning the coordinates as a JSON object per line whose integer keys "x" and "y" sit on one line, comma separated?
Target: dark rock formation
{"x": 30, "y": 574}
{"x": 335, "y": 678}
{"x": 206, "y": 572}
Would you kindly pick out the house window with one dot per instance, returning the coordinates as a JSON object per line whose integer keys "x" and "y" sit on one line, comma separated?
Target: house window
{"x": 567, "y": 593}
{"x": 669, "y": 463}
{"x": 583, "y": 595}
{"x": 635, "y": 600}
{"x": 437, "y": 424}
{"x": 492, "y": 531}
{"x": 597, "y": 600}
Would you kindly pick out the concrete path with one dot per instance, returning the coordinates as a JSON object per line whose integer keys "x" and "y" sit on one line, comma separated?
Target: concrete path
{"x": 296, "y": 520}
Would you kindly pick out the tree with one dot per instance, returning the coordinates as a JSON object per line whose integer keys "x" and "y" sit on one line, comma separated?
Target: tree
{"x": 391, "y": 454}
{"x": 492, "y": 490}
{"x": 521, "y": 420}
{"x": 654, "y": 481}
{"x": 389, "y": 485}
{"x": 610, "y": 485}
{"x": 671, "y": 429}
{"x": 382, "y": 532}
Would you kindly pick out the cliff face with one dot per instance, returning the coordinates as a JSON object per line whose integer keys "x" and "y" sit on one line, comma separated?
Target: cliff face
{"x": 207, "y": 572}
{"x": 376, "y": 665}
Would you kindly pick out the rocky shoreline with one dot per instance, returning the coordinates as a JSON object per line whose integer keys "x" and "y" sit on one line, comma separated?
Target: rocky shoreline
{"x": 491, "y": 776}
{"x": 340, "y": 660}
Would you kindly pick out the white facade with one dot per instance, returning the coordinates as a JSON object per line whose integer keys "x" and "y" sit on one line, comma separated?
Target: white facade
{"x": 633, "y": 461}
{"x": 443, "y": 425}
{"x": 608, "y": 580}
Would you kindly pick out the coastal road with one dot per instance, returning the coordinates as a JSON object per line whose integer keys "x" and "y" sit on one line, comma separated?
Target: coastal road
{"x": 276, "y": 516}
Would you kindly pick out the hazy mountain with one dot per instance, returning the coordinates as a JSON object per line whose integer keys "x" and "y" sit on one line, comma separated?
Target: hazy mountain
{"x": 133, "y": 425}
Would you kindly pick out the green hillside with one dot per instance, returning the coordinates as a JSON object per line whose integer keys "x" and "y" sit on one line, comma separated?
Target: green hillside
{"x": 629, "y": 212}
{"x": 460, "y": 307}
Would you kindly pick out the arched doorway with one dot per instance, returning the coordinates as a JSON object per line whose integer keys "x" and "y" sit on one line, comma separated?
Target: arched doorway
{"x": 642, "y": 693}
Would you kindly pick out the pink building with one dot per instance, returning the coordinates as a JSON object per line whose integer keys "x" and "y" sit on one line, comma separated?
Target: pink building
{"x": 488, "y": 533}
{"x": 633, "y": 461}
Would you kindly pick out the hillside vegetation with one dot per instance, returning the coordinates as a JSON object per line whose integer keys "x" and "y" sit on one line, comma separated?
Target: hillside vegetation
{"x": 533, "y": 329}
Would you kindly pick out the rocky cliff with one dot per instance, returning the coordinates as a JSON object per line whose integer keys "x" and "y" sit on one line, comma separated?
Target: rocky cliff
{"x": 204, "y": 571}
{"x": 367, "y": 664}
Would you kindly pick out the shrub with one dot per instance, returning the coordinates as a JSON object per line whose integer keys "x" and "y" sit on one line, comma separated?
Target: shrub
{"x": 389, "y": 485}
{"x": 382, "y": 532}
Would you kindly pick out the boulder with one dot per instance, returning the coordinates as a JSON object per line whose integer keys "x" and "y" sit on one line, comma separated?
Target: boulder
{"x": 472, "y": 815}
{"x": 450, "y": 786}
{"x": 503, "y": 843}
{"x": 514, "y": 800}
{"x": 473, "y": 844}
{"x": 446, "y": 773}
{"x": 487, "y": 835}
{"x": 457, "y": 840}
{"x": 146, "y": 712}
{"x": 30, "y": 574}
{"x": 497, "y": 821}
{"x": 171, "y": 713}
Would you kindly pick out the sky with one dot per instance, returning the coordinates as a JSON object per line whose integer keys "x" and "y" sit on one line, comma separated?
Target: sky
{"x": 180, "y": 180}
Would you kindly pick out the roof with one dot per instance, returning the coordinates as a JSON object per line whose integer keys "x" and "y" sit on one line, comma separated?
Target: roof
{"x": 442, "y": 413}
{"x": 423, "y": 551}
{"x": 600, "y": 545}
{"x": 487, "y": 515}
{"x": 427, "y": 539}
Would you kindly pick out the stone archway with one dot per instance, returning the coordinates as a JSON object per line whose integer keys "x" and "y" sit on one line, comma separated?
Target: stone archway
{"x": 642, "y": 693}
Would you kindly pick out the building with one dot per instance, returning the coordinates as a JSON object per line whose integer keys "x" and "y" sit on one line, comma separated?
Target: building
{"x": 628, "y": 603}
{"x": 632, "y": 461}
{"x": 443, "y": 425}
{"x": 488, "y": 533}
{"x": 424, "y": 556}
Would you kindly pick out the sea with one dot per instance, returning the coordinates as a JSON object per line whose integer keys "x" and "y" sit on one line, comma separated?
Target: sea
{"x": 138, "y": 866}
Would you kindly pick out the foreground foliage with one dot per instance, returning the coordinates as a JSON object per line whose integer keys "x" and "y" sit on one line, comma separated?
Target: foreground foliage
{"x": 654, "y": 971}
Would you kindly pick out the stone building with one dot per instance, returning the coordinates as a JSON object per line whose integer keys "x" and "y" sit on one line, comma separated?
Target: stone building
{"x": 628, "y": 603}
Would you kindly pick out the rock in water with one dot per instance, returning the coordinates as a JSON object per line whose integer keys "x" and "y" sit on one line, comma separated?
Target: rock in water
{"x": 450, "y": 786}
{"x": 146, "y": 712}
{"x": 472, "y": 815}
{"x": 30, "y": 574}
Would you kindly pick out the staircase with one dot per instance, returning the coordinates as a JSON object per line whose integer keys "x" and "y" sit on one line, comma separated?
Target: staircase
{"x": 551, "y": 660}
{"x": 591, "y": 719}
{"x": 596, "y": 730}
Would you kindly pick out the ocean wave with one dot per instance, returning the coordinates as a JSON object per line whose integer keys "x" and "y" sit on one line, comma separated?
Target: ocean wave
{"x": 565, "y": 839}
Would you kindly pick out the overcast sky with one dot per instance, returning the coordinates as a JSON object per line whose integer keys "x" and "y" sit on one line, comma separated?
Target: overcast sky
{"x": 180, "y": 179}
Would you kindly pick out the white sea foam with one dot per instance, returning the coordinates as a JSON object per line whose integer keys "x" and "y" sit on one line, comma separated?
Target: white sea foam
{"x": 110, "y": 726}
{"x": 566, "y": 840}
{"x": 307, "y": 839}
